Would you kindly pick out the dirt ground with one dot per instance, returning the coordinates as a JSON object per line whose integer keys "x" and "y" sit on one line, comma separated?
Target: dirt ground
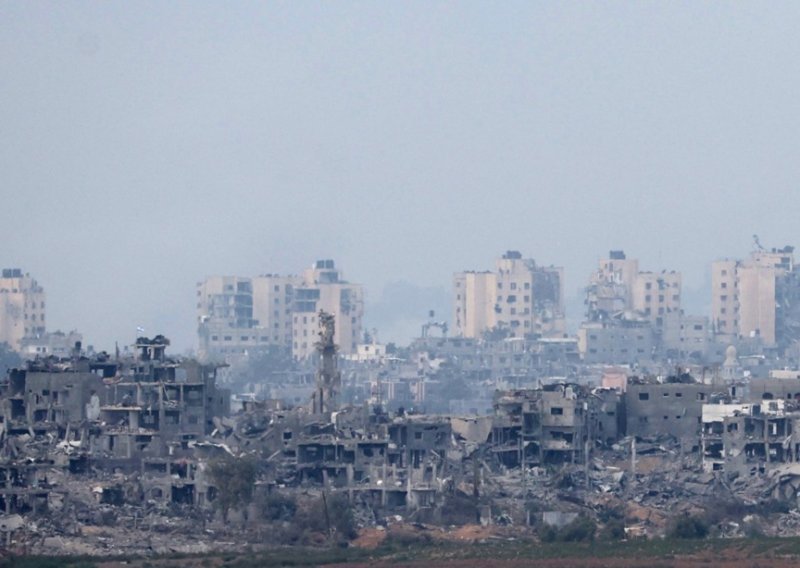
{"x": 370, "y": 538}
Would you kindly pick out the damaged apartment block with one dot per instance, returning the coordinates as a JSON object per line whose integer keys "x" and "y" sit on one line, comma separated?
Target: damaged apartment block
{"x": 134, "y": 415}
{"x": 557, "y": 424}
{"x": 94, "y": 438}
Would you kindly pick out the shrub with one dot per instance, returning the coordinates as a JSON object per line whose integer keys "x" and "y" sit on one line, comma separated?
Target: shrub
{"x": 277, "y": 507}
{"x": 688, "y": 527}
{"x": 607, "y": 514}
{"x": 399, "y": 540}
{"x": 581, "y": 529}
{"x": 458, "y": 510}
{"x": 548, "y": 533}
{"x": 614, "y": 530}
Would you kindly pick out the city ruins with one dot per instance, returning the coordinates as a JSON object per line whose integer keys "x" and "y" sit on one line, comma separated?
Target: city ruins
{"x": 102, "y": 453}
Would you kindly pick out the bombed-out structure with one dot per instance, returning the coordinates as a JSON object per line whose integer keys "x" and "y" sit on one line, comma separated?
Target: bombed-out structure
{"x": 108, "y": 414}
{"x": 141, "y": 432}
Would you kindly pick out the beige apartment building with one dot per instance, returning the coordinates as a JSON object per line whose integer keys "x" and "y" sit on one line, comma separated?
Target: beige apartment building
{"x": 272, "y": 307}
{"x": 474, "y": 297}
{"x": 236, "y": 315}
{"x": 323, "y": 288}
{"x": 685, "y": 336}
{"x": 520, "y": 298}
{"x": 22, "y": 308}
{"x": 618, "y": 286}
{"x": 657, "y": 294}
{"x": 744, "y": 295}
{"x": 226, "y": 327}
{"x": 611, "y": 285}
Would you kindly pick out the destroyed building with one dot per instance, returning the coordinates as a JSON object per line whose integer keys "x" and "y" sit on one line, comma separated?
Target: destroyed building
{"x": 618, "y": 285}
{"x": 559, "y": 423}
{"x": 744, "y": 440}
{"x": 143, "y": 433}
{"x": 155, "y": 400}
{"x": 633, "y": 317}
{"x": 133, "y": 415}
{"x": 56, "y": 343}
{"x": 672, "y": 408}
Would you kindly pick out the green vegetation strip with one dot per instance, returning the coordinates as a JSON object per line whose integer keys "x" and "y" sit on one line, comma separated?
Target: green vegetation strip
{"x": 421, "y": 549}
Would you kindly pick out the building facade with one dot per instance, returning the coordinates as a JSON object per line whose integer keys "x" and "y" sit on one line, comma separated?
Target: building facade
{"x": 618, "y": 286}
{"x": 474, "y": 302}
{"x": 520, "y": 298}
{"x": 323, "y": 288}
{"x": 746, "y": 295}
{"x": 22, "y": 308}
{"x": 236, "y": 315}
{"x": 273, "y": 298}
{"x": 227, "y": 327}
{"x": 617, "y": 342}
{"x": 52, "y": 343}
{"x": 656, "y": 295}
{"x": 611, "y": 286}
{"x": 685, "y": 337}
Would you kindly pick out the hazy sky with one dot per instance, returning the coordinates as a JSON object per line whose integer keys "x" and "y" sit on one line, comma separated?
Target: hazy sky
{"x": 144, "y": 146}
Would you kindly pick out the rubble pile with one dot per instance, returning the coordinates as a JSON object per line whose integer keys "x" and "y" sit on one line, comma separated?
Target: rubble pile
{"x": 118, "y": 455}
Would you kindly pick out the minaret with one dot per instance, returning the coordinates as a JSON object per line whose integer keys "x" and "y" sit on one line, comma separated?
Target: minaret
{"x": 328, "y": 377}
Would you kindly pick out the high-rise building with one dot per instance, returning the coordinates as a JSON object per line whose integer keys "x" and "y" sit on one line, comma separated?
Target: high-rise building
{"x": 238, "y": 314}
{"x": 631, "y": 314}
{"x": 323, "y": 288}
{"x": 750, "y": 298}
{"x": 520, "y": 298}
{"x": 618, "y": 286}
{"x": 226, "y": 327}
{"x": 657, "y": 294}
{"x": 474, "y": 302}
{"x": 273, "y": 297}
{"x": 22, "y": 307}
{"x": 530, "y": 297}
{"x": 611, "y": 286}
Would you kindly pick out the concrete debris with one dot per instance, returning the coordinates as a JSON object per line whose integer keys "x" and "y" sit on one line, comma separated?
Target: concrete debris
{"x": 103, "y": 456}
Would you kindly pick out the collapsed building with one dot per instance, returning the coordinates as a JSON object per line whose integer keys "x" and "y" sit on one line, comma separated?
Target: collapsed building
{"x": 142, "y": 432}
{"x": 104, "y": 414}
{"x": 742, "y": 440}
{"x": 556, "y": 424}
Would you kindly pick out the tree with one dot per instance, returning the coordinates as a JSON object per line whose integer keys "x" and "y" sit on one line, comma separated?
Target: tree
{"x": 340, "y": 513}
{"x": 234, "y": 478}
{"x": 278, "y": 507}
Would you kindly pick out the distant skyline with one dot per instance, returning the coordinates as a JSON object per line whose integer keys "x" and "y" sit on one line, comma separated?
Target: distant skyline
{"x": 147, "y": 145}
